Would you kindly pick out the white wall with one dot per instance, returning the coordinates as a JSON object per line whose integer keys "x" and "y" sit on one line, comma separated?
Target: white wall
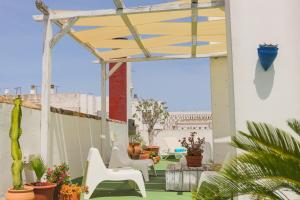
{"x": 272, "y": 96}
{"x": 221, "y": 106}
{"x": 72, "y": 138}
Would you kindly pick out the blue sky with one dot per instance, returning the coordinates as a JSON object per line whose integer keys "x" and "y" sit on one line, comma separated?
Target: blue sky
{"x": 183, "y": 84}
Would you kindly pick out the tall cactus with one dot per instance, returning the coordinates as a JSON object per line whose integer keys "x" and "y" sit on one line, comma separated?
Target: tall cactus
{"x": 16, "y": 153}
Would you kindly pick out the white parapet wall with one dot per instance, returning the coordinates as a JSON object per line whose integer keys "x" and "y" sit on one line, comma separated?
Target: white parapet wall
{"x": 72, "y": 138}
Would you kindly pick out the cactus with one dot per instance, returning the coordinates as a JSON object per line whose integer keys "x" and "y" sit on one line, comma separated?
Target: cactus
{"x": 16, "y": 153}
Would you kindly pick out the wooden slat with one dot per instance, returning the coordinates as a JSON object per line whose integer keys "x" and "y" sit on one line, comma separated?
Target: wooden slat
{"x": 64, "y": 29}
{"x": 172, "y": 57}
{"x": 114, "y": 69}
{"x": 194, "y": 27}
{"x": 120, "y": 6}
{"x": 186, "y": 181}
{"x": 135, "y": 10}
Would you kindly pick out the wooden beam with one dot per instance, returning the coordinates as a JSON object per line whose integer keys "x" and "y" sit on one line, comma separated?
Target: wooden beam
{"x": 114, "y": 69}
{"x": 194, "y": 27}
{"x": 155, "y": 58}
{"x": 87, "y": 46}
{"x": 45, "y": 94}
{"x": 64, "y": 29}
{"x": 135, "y": 10}
{"x": 120, "y": 6}
{"x": 44, "y": 9}
{"x": 103, "y": 105}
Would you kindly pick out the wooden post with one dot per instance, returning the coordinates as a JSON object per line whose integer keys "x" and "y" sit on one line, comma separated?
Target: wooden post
{"x": 45, "y": 95}
{"x": 103, "y": 105}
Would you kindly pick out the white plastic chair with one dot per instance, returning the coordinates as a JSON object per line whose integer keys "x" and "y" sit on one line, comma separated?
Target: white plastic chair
{"x": 96, "y": 172}
{"x": 119, "y": 158}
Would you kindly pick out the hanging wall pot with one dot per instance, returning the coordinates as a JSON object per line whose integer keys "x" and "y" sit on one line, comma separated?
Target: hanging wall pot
{"x": 267, "y": 54}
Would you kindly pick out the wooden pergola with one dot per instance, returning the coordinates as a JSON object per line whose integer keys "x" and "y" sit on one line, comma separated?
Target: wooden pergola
{"x": 181, "y": 29}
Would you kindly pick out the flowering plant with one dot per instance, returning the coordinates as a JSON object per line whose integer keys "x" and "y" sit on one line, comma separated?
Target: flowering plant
{"x": 59, "y": 174}
{"x": 70, "y": 189}
{"x": 194, "y": 146}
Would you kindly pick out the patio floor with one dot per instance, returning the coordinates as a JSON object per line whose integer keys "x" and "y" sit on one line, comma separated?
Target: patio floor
{"x": 155, "y": 188}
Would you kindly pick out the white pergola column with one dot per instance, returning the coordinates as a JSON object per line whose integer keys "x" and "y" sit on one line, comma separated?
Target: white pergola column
{"x": 103, "y": 105}
{"x": 222, "y": 104}
{"x": 45, "y": 95}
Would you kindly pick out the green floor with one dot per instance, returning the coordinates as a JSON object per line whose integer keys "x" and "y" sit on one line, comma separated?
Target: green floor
{"x": 155, "y": 188}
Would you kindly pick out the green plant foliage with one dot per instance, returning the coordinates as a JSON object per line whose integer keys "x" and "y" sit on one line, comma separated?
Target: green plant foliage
{"x": 136, "y": 139}
{"x": 270, "y": 162}
{"x": 15, "y": 133}
{"x": 151, "y": 112}
{"x": 193, "y": 145}
{"x": 38, "y": 166}
{"x": 59, "y": 175}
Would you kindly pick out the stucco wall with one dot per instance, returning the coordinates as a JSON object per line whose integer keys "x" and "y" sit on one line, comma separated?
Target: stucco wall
{"x": 72, "y": 138}
{"x": 272, "y": 96}
{"x": 221, "y": 107}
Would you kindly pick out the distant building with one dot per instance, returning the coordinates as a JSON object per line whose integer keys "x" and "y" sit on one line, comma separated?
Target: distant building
{"x": 84, "y": 103}
{"x": 188, "y": 121}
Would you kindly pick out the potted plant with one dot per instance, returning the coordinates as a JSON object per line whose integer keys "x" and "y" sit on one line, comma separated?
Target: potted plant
{"x": 155, "y": 157}
{"x": 42, "y": 190}
{"x": 72, "y": 191}
{"x": 18, "y": 191}
{"x": 135, "y": 146}
{"x": 59, "y": 175}
{"x": 194, "y": 150}
{"x": 267, "y": 54}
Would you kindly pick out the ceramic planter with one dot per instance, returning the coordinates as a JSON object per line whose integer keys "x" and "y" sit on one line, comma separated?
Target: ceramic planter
{"x": 25, "y": 194}
{"x": 44, "y": 191}
{"x": 194, "y": 161}
{"x": 154, "y": 149}
{"x": 267, "y": 55}
{"x": 134, "y": 150}
{"x": 145, "y": 155}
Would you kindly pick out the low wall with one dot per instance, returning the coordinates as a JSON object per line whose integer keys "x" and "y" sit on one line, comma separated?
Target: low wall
{"x": 72, "y": 138}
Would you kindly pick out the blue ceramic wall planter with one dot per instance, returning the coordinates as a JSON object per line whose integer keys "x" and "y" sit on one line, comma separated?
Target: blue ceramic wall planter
{"x": 267, "y": 54}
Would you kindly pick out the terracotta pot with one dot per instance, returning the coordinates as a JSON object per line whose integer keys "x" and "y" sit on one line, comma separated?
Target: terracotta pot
{"x": 44, "y": 191}
{"x": 25, "y": 194}
{"x": 144, "y": 156}
{"x": 74, "y": 196}
{"x": 154, "y": 149}
{"x": 156, "y": 159}
{"x": 137, "y": 151}
{"x": 194, "y": 161}
{"x": 130, "y": 150}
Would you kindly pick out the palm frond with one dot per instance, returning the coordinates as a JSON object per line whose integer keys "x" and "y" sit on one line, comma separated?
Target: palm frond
{"x": 294, "y": 125}
{"x": 270, "y": 162}
{"x": 38, "y": 166}
{"x": 264, "y": 137}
